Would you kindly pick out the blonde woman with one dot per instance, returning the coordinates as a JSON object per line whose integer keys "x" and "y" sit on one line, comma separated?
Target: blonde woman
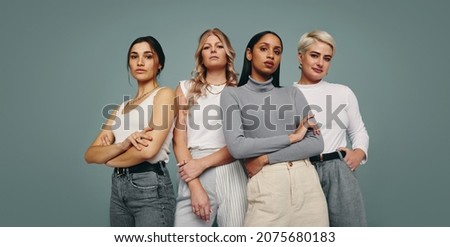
{"x": 212, "y": 183}
{"x": 337, "y": 163}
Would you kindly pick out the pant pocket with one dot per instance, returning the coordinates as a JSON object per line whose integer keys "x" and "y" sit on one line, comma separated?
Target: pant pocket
{"x": 143, "y": 185}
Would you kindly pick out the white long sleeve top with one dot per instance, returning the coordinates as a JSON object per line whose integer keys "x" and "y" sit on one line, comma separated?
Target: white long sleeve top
{"x": 336, "y": 109}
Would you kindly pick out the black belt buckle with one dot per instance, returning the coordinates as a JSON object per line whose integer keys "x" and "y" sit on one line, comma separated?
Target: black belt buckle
{"x": 120, "y": 171}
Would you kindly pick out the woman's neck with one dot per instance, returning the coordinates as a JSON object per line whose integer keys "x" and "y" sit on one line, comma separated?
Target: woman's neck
{"x": 145, "y": 87}
{"x": 305, "y": 81}
{"x": 260, "y": 78}
{"x": 216, "y": 77}
{"x": 259, "y": 86}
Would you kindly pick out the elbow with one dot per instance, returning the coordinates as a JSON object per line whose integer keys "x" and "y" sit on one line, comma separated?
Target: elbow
{"x": 318, "y": 146}
{"x": 237, "y": 155}
{"x": 147, "y": 154}
{"x": 237, "y": 152}
{"x": 88, "y": 158}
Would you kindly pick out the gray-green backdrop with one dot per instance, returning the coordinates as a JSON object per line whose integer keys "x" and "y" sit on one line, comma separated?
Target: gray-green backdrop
{"x": 63, "y": 61}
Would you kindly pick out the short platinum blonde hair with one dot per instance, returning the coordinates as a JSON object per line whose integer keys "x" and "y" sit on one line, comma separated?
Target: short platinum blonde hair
{"x": 309, "y": 38}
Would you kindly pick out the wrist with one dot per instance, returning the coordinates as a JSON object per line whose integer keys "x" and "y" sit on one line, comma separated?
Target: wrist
{"x": 293, "y": 138}
{"x": 265, "y": 159}
{"x": 360, "y": 152}
{"x": 203, "y": 164}
{"x": 297, "y": 135}
{"x": 302, "y": 125}
{"x": 303, "y": 128}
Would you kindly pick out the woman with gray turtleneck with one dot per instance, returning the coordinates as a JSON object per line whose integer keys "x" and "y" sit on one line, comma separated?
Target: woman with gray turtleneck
{"x": 270, "y": 128}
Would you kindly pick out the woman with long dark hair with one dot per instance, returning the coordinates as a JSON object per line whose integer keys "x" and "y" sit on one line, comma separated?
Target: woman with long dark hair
{"x": 270, "y": 128}
{"x": 135, "y": 142}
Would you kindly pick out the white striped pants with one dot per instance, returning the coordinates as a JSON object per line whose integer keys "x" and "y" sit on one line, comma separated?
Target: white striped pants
{"x": 226, "y": 186}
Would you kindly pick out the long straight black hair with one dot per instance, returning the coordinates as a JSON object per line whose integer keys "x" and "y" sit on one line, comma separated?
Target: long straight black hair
{"x": 247, "y": 65}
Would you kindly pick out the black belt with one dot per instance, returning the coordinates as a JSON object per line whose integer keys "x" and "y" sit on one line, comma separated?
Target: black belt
{"x": 328, "y": 156}
{"x": 142, "y": 167}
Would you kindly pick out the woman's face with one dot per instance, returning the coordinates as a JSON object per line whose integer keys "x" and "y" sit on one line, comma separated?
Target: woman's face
{"x": 265, "y": 57}
{"x": 143, "y": 62}
{"x": 213, "y": 54}
{"x": 315, "y": 62}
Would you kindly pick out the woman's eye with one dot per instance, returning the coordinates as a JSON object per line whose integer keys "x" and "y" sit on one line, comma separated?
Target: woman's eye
{"x": 133, "y": 57}
{"x": 206, "y": 48}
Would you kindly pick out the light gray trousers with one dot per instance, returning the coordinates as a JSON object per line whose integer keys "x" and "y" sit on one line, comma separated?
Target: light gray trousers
{"x": 341, "y": 189}
{"x": 226, "y": 186}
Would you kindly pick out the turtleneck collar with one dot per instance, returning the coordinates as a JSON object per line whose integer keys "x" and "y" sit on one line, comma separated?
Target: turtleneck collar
{"x": 259, "y": 86}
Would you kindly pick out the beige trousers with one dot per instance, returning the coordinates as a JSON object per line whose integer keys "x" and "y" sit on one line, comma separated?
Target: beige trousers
{"x": 286, "y": 194}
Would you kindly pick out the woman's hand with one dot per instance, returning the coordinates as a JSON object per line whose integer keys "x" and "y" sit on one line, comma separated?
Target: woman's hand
{"x": 192, "y": 169}
{"x": 254, "y": 165}
{"x": 309, "y": 123}
{"x": 105, "y": 139}
{"x": 353, "y": 158}
{"x": 200, "y": 203}
{"x": 138, "y": 139}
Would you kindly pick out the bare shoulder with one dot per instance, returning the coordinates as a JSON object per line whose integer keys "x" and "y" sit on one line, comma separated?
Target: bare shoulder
{"x": 179, "y": 91}
{"x": 165, "y": 92}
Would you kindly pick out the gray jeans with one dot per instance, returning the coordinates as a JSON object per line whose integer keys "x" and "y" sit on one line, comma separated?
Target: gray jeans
{"x": 341, "y": 189}
{"x": 142, "y": 199}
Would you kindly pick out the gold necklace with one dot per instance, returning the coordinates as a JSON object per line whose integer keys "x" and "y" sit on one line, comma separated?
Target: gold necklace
{"x": 215, "y": 93}
{"x": 220, "y": 84}
{"x": 142, "y": 96}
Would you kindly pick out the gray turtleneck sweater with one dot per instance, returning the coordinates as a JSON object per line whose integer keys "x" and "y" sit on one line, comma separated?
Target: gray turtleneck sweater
{"x": 258, "y": 117}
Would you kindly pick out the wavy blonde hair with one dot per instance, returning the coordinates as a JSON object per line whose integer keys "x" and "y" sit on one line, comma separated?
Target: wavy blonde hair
{"x": 199, "y": 84}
